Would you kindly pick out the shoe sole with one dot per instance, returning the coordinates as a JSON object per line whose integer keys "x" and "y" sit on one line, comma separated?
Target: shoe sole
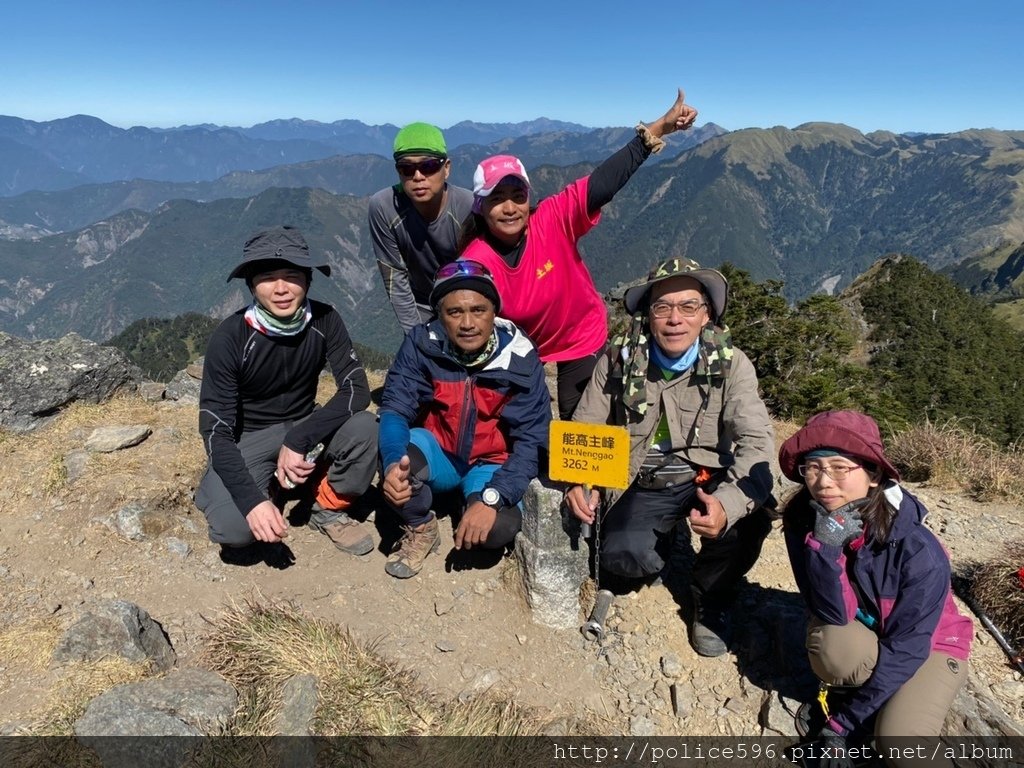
{"x": 709, "y": 653}
{"x": 361, "y": 548}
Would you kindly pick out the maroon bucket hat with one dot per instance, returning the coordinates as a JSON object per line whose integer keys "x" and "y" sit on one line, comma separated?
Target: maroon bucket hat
{"x": 850, "y": 432}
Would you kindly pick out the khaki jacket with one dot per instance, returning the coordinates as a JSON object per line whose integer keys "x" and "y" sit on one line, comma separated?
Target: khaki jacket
{"x": 734, "y": 432}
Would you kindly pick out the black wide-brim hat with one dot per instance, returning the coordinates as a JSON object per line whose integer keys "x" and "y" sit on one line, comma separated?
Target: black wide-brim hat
{"x": 278, "y": 244}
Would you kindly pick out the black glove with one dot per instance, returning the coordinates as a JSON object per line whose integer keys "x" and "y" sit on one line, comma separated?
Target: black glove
{"x": 839, "y": 527}
{"x": 832, "y": 749}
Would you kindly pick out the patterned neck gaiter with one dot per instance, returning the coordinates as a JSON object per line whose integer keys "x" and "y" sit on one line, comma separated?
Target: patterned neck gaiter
{"x": 266, "y": 323}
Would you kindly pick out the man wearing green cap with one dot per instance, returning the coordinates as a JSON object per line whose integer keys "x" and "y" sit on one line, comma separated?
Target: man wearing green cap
{"x": 414, "y": 225}
{"x": 701, "y": 444}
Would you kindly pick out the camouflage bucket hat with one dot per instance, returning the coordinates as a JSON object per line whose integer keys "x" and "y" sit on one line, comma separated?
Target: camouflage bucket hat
{"x": 714, "y": 283}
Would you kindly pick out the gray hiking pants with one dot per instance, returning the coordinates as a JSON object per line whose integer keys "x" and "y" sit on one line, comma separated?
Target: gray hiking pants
{"x": 846, "y": 655}
{"x": 352, "y": 453}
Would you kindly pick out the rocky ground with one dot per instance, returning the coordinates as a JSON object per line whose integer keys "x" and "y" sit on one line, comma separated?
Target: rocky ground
{"x": 79, "y": 525}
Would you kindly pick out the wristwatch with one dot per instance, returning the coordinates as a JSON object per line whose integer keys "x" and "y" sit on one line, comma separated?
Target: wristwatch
{"x": 491, "y": 498}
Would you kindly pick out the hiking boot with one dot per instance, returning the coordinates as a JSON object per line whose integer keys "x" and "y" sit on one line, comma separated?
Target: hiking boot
{"x": 809, "y": 719}
{"x": 710, "y": 629}
{"x": 412, "y": 549}
{"x": 347, "y": 534}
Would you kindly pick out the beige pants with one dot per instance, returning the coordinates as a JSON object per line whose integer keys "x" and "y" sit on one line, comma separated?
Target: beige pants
{"x": 847, "y": 655}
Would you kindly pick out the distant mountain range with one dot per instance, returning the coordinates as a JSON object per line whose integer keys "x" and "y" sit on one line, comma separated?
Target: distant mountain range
{"x": 812, "y": 206}
{"x": 815, "y": 205}
{"x": 79, "y": 150}
{"x": 99, "y": 279}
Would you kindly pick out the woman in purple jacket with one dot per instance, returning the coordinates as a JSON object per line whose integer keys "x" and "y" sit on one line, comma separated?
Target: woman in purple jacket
{"x": 876, "y": 582}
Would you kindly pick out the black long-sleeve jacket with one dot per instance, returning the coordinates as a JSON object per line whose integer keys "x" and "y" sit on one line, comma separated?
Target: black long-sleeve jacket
{"x": 252, "y": 381}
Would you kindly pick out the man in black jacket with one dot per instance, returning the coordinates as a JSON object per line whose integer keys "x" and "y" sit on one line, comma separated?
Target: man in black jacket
{"x": 258, "y": 415}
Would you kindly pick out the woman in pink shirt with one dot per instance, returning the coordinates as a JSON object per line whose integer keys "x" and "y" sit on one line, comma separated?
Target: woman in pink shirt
{"x": 545, "y": 287}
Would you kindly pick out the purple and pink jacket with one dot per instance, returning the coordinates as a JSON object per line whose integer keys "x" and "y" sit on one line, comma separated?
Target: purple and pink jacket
{"x": 904, "y": 584}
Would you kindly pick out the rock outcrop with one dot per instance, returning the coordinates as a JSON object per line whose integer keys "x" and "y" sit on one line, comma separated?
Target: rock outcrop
{"x": 38, "y": 378}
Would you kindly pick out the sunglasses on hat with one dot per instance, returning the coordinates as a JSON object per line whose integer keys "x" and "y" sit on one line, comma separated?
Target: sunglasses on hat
{"x": 407, "y": 169}
{"x": 462, "y": 268}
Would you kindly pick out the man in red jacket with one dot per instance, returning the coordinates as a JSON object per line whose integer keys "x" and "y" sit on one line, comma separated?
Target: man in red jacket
{"x": 465, "y": 407}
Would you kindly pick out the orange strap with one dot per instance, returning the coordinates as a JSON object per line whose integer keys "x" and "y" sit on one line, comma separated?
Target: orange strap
{"x": 702, "y": 477}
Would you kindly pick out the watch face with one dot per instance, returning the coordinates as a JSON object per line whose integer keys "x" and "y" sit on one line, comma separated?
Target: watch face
{"x": 491, "y": 497}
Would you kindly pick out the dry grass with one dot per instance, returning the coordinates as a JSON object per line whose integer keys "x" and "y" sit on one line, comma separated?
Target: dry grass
{"x": 998, "y": 587}
{"x": 259, "y": 646}
{"x": 326, "y": 387}
{"x": 30, "y": 645}
{"x": 784, "y": 430}
{"x": 32, "y": 464}
{"x": 953, "y": 457}
{"x": 79, "y": 684}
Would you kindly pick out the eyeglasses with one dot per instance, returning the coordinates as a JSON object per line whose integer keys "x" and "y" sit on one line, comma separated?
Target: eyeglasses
{"x": 427, "y": 167}
{"x": 663, "y": 309}
{"x": 838, "y": 472}
{"x": 462, "y": 268}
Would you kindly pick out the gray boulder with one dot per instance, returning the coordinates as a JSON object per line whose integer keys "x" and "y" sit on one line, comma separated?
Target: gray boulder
{"x": 110, "y": 439}
{"x": 298, "y": 706}
{"x": 200, "y": 701}
{"x": 184, "y": 387}
{"x": 115, "y": 628}
{"x": 976, "y": 712}
{"x": 152, "y": 391}
{"x": 139, "y": 520}
{"x": 38, "y": 378}
{"x": 75, "y": 462}
{"x": 185, "y": 703}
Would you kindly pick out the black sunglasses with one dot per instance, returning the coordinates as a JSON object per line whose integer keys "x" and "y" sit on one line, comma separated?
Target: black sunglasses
{"x": 427, "y": 167}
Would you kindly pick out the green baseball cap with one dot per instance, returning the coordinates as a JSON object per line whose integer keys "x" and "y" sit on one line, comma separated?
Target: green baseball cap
{"x": 420, "y": 139}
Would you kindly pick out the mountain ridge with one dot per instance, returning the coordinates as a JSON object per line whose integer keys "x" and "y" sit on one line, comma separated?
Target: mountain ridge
{"x": 812, "y": 207}
{"x": 95, "y": 152}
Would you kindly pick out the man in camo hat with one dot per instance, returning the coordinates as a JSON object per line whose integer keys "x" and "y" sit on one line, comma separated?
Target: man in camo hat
{"x": 700, "y": 444}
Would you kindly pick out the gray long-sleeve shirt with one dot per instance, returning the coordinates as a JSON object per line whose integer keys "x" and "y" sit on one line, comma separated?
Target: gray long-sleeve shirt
{"x": 410, "y": 249}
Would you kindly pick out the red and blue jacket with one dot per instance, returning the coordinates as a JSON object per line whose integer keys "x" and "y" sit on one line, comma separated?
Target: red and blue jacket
{"x": 904, "y": 584}
{"x": 496, "y": 414}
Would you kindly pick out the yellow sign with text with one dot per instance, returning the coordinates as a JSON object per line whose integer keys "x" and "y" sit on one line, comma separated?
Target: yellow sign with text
{"x": 589, "y": 454}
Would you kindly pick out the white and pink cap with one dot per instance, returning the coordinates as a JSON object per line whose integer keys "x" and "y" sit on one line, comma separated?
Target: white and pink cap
{"x": 491, "y": 171}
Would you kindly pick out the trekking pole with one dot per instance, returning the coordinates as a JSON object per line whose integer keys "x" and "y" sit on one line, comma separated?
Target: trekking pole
{"x": 585, "y": 528}
{"x": 962, "y": 590}
{"x": 593, "y": 629}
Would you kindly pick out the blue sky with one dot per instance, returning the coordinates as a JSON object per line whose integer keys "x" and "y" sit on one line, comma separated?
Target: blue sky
{"x": 903, "y": 66}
